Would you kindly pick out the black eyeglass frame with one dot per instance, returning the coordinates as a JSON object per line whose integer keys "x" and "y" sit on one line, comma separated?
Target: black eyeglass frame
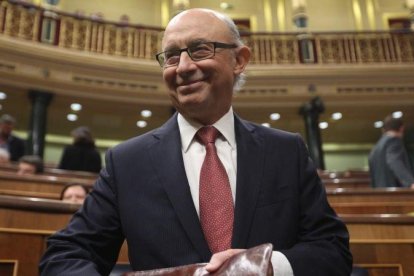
{"x": 179, "y": 51}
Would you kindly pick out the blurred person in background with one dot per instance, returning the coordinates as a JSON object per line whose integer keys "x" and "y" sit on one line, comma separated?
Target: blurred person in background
{"x": 29, "y": 165}
{"x": 82, "y": 155}
{"x": 13, "y": 144}
{"x": 74, "y": 193}
{"x": 4, "y": 156}
{"x": 389, "y": 164}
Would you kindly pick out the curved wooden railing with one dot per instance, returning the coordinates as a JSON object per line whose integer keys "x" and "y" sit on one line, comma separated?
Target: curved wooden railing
{"x": 29, "y": 22}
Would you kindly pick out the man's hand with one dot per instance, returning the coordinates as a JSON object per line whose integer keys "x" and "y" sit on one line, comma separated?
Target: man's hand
{"x": 219, "y": 258}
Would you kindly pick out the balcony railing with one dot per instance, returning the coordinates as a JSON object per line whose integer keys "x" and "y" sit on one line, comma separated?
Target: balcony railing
{"x": 25, "y": 21}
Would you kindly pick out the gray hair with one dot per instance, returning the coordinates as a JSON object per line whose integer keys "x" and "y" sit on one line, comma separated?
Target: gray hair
{"x": 235, "y": 34}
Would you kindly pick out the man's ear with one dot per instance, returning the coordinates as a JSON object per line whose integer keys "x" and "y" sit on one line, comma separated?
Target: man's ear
{"x": 242, "y": 59}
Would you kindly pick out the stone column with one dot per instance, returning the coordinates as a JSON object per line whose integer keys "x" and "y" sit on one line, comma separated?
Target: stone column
{"x": 38, "y": 121}
{"x": 310, "y": 112}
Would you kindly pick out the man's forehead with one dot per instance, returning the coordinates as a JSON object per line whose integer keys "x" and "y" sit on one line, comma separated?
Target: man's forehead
{"x": 194, "y": 15}
{"x": 196, "y": 26}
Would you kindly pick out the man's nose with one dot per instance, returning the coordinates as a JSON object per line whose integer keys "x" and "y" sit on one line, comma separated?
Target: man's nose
{"x": 185, "y": 63}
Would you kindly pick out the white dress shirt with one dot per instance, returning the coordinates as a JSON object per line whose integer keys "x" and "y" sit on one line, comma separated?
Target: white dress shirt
{"x": 193, "y": 155}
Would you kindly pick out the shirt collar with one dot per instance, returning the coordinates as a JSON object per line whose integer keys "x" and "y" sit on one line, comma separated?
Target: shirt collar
{"x": 189, "y": 128}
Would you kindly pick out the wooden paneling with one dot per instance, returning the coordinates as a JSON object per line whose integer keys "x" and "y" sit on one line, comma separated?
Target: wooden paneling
{"x": 25, "y": 225}
{"x": 50, "y": 171}
{"x": 384, "y": 257}
{"x": 377, "y": 226}
{"x": 26, "y": 247}
{"x": 402, "y": 207}
{"x": 39, "y": 183}
{"x": 365, "y": 195}
{"x": 9, "y": 267}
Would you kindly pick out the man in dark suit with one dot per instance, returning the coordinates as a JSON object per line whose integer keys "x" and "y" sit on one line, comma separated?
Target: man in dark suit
{"x": 149, "y": 192}
{"x": 389, "y": 163}
{"x": 13, "y": 144}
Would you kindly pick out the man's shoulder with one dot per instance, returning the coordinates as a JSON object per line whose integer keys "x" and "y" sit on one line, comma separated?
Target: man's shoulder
{"x": 145, "y": 140}
{"x": 139, "y": 141}
{"x": 271, "y": 132}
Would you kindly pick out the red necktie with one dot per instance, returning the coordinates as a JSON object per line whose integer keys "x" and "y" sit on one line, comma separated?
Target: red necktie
{"x": 216, "y": 202}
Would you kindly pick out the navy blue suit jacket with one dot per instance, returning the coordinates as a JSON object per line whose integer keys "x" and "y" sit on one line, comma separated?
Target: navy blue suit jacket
{"x": 143, "y": 195}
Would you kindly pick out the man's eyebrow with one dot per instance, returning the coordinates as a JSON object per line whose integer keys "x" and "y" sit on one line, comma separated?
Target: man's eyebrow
{"x": 172, "y": 48}
{"x": 196, "y": 42}
{"x": 191, "y": 43}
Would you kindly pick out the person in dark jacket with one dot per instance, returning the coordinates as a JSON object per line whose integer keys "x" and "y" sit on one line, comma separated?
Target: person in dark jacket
{"x": 82, "y": 155}
{"x": 389, "y": 164}
{"x": 14, "y": 145}
{"x": 152, "y": 192}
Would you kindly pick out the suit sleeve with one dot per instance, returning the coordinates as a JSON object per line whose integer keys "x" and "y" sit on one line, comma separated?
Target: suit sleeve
{"x": 398, "y": 162}
{"x": 323, "y": 240}
{"x": 90, "y": 244}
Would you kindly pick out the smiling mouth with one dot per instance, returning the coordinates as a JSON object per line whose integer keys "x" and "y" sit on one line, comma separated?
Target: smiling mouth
{"x": 189, "y": 87}
{"x": 190, "y": 83}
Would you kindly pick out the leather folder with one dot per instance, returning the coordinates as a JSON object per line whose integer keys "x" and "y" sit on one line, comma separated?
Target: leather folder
{"x": 252, "y": 262}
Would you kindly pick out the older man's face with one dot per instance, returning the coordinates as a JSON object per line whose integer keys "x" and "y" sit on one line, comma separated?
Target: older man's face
{"x": 200, "y": 90}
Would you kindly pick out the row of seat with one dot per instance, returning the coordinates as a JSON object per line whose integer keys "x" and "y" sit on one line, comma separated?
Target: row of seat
{"x": 376, "y": 218}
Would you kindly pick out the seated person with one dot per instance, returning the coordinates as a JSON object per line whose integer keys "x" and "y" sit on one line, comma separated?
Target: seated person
{"x": 74, "y": 193}
{"x": 4, "y": 156}
{"x": 29, "y": 165}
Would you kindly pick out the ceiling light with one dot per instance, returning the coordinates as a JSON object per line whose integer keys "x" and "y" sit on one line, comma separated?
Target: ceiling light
{"x": 72, "y": 117}
{"x": 378, "y": 124}
{"x": 226, "y": 6}
{"x": 323, "y": 125}
{"x": 274, "y": 116}
{"x": 76, "y": 107}
{"x": 146, "y": 113}
{"x": 266, "y": 124}
{"x": 3, "y": 95}
{"x": 337, "y": 116}
{"x": 397, "y": 114}
{"x": 141, "y": 124}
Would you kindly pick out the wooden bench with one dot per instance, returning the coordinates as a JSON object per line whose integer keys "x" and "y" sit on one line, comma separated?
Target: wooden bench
{"x": 400, "y": 207}
{"x": 382, "y": 243}
{"x": 25, "y": 225}
{"x": 379, "y": 226}
{"x": 384, "y": 257}
{"x": 344, "y": 174}
{"x": 364, "y": 195}
{"x": 49, "y": 171}
{"x": 9, "y": 267}
{"x": 38, "y": 183}
{"x": 331, "y": 183}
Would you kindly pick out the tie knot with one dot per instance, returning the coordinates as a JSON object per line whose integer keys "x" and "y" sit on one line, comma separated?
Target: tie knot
{"x": 207, "y": 135}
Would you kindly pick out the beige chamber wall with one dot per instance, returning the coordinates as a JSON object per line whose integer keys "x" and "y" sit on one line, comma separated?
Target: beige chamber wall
{"x": 264, "y": 15}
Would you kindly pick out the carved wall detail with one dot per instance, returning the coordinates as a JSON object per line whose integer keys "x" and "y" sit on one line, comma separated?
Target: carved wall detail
{"x": 369, "y": 90}
{"x": 23, "y": 20}
{"x": 115, "y": 83}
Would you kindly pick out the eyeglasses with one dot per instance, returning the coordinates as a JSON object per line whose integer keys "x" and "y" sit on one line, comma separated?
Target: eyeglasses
{"x": 199, "y": 51}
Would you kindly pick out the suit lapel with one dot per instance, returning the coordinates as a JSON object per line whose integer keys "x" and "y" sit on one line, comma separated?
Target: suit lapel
{"x": 168, "y": 161}
{"x": 250, "y": 158}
